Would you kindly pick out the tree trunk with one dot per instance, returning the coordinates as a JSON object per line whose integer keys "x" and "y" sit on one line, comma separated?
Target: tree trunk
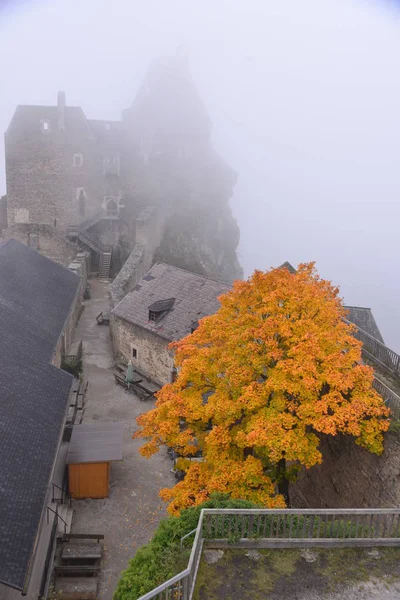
{"x": 283, "y": 483}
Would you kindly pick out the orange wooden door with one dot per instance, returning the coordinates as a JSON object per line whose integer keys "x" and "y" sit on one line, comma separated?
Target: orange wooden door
{"x": 89, "y": 480}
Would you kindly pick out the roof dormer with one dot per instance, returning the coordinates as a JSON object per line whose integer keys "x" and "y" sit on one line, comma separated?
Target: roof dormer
{"x": 159, "y": 308}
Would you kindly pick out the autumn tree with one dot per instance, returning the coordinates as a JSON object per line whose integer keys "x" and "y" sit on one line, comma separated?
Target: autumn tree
{"x": 258, "y": 381}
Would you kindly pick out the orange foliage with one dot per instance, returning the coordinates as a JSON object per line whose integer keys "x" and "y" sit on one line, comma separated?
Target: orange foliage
{"x": 258, "y": 380}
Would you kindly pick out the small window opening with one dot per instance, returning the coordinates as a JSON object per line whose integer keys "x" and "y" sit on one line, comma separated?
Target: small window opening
{"x": 33, "y": 241}
{"x": 153, "y": 316}
{"x": 45, "y": 124}
{"x": 78, "y": 160}
{"x": 134, "y": 353}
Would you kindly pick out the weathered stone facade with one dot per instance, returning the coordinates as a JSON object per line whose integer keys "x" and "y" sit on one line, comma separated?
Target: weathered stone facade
{"x": 64, "y": 170}
{"x": 350, "y": 476}
{"x": 149, "y": 352}
{"x": 45, "y": 239}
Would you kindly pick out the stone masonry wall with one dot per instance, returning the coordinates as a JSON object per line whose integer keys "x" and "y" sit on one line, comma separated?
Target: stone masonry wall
{"x": 350, "y": 476}
{"x": 45, "y": 239}
{"x": 153, "y": 358}
{"x": 150, "y": 225}
{"x": 43, "y": 184}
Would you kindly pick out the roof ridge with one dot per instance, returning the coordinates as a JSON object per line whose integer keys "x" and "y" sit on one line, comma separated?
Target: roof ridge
{"x": 362, "y": 307}
{"x": 190, "y": 273}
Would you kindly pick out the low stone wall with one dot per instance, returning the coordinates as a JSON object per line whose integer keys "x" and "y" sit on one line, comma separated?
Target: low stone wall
{"x": 150, "y": 225}
{"x": 45, "y": 239}
{"x": 350, "y": 476}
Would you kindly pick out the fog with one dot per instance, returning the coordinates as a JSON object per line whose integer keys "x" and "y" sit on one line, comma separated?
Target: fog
{"x": 304, "y": 98}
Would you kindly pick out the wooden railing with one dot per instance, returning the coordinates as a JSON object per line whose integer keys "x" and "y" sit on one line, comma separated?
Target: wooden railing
{"x": 284, "y": 528}
{"x": 378, "y": 352}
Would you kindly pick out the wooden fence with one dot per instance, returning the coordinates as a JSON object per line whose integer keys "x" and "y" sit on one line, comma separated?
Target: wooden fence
{"x": 284, "y": 528}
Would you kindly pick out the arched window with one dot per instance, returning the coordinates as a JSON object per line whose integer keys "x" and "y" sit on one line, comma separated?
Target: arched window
{"x": 111, "y": 207}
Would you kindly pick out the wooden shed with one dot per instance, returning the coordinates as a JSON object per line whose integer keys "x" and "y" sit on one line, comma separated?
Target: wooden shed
{"x": 92, "y": 448}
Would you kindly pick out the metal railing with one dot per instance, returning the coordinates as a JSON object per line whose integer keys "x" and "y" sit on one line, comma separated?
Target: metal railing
{"x": 284, "y": 528}
{"x": 378, "y": 352}
{"x": 392, "y": 400}
{"x": 65, "y": 495}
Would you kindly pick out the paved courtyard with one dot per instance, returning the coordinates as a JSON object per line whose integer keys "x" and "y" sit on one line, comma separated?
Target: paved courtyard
{"x": 133, "y": 510}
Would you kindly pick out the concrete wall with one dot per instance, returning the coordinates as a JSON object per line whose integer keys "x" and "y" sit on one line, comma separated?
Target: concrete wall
{"x": 350, "y": 476}
{"x": 153, "y": 358}
{"x": 51, "y": 243}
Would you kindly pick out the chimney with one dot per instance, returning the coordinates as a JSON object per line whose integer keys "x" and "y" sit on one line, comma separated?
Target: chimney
{"x": 61, "y": 110}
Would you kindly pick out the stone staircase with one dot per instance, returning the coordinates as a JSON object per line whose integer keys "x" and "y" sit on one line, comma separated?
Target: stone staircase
{"x": 104, "y": 265}
{"x": 77, "y": 566}
{"x": 95, "y": 245}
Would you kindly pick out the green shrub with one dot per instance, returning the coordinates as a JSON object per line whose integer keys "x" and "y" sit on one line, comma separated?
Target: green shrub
{"x": 75, "y": 369}
{"x": 162, "y": 557}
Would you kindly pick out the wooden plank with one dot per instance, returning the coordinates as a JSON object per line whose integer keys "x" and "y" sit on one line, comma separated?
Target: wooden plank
{"x": 80, "y": 551}
{"x": 83, "y": 536}
{"x": 68, "y": 569}
{"x": 76, "y": 588}
{"x": 95, "y": 442}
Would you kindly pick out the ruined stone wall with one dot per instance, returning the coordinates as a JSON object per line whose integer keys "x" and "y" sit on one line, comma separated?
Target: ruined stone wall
{"x": 153, "y": 358}
{"x": 150, "y": 225}
{"x": 45, "y": 239}
{"x": 350, "y": 476}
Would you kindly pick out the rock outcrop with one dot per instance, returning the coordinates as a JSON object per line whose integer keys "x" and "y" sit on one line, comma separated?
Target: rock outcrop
{"x": 168, "y": 135}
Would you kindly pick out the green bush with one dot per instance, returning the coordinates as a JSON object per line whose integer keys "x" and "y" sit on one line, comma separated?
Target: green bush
{"x": 162, "y": 557}
{"x": 75, "y": 369}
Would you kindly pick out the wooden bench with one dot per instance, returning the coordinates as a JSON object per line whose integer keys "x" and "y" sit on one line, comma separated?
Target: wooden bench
{"x": 77, "y": 569}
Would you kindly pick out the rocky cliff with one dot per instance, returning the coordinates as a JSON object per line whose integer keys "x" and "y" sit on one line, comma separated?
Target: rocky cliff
{"x": 173, "y": 163}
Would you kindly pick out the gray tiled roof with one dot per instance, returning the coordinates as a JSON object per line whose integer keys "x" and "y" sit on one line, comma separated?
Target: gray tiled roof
{"x": 27, "y": 121}
{"x": 364, "y": 319}
{"x": 195, "y": 297}
{"x": 35, "y": 297}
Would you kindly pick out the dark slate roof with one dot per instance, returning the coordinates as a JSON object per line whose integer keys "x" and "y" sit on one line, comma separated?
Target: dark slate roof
{"x": 288, "y": 266}
{"x": 162, "y": 305}
{"x": 195, "y": 297}
{"x": 27, "y": 121}
{"x": 364, "y": 319}
{"x": 35, "y": 298}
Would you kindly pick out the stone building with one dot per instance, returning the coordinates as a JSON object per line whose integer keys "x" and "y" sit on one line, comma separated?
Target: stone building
{"x": 164, "y": 306}
{"x": 88, "y": 179}
{"x": 39, "y": 302}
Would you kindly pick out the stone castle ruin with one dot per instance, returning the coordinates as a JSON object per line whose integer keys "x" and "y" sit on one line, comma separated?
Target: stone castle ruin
{"x": 148, "y": 187}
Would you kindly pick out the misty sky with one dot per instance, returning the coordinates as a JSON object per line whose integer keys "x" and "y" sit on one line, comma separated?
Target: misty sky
{"x": 305, "y": 101}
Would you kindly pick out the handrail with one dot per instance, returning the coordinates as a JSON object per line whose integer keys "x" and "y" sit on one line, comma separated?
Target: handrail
{"x": 57, "y": 517}
{"x": 266, "y": 528}
{"x": 390, "y": 397}
{"x": 377, "y": 351}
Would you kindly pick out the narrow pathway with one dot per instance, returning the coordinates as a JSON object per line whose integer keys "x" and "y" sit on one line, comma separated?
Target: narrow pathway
{"x": 133, "y": 510}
